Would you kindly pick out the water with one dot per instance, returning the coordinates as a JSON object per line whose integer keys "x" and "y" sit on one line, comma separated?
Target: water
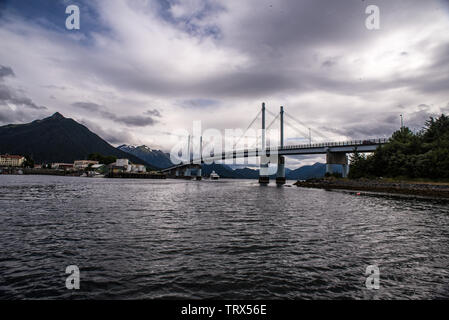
{"x": 216, "y": 239}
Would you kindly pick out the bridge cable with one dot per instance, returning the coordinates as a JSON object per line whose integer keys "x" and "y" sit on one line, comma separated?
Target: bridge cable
{"x": 304, "y": 125}
{"x": 272, "y": 122}
{"x": 252, "y": 122}
{"x": 312, "y": 130}
{"x": 296, "y": 129}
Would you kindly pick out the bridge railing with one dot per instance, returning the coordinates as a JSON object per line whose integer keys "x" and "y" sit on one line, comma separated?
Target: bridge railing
{"x": 335, "y": 144}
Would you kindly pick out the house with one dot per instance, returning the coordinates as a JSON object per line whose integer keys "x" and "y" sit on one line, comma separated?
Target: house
{"x": 122, "y": 162}
{"x": 138, "y": 168}
{"x": 64, "y": 166}
{"x": 83, "y": 164}
{"x": 11, "y": 160}
{"x": 97, "y": 167}
{"x": 122, "y": 165}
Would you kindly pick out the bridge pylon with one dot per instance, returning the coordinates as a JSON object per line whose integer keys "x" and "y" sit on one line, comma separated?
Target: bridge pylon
{"x": 263, "y": 170}
{"x": 280, "y": 174}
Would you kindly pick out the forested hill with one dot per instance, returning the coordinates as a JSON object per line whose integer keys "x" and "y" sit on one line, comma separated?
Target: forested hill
{"x": 56, "y": 139}
{"x": 424, "y": 154}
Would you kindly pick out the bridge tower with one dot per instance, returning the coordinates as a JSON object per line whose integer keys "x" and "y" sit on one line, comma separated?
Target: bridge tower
{"x": 199, "y": 172}
{"x": 280, "y": 175}
{"x": 188, "y": 170}
{"x": 263, "y": 170}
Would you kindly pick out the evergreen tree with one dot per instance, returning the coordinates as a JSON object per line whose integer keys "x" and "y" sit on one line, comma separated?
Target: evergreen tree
{"x": 409, "y": 155}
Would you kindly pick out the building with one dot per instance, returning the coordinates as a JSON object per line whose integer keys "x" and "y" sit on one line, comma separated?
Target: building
{"x": 11, "y": 160}
{"x": 97, "y": 167}
{"x": 122, "y": 165}
{"x": 138, "y": 168}
{"x": 64, "y": 166}
{"x": 83, "y": 164}
{"x": 122, "y": 162}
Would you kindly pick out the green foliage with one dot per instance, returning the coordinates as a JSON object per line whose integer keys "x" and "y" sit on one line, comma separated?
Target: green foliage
{"x": 29, "y": 162}
{"x": 334, "y": 175}
{"x": 409, "y": 155}
{"x": 101, "y": 158}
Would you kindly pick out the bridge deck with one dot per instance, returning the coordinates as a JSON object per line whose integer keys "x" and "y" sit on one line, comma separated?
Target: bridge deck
{"x": 316, "y": 148}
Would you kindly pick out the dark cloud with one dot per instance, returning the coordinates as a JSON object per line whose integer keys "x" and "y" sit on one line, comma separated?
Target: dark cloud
{"x": 9, "y": 96}
{"x": 135, "y": 121}
{"x": 361, "y": 126}
{"x": 329, "y": 63}
{"x": 13, "y": 96}
{"x": 154, "y": 113}
{"x": 13, "y": 100}
{"x": 115, "y": 137}
{"x": 199, "y": 103}
{"x": 11, "y": 116}
{"x": 51, "y": 86}
{"x": 5, "y": 72}
{"x": 89, "y": 106}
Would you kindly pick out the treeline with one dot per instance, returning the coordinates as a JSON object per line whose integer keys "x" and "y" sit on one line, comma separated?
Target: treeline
{"x": 424, "y": 154}
{"x": 101, "y": 158}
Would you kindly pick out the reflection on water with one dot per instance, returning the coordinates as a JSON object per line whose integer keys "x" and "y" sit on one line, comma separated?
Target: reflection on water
{"x": 216, "y": 239}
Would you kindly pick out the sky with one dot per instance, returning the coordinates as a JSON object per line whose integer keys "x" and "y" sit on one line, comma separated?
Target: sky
{"x": 136, "y": 71}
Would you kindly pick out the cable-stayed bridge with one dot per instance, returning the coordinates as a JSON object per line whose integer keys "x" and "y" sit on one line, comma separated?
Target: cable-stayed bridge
{"x": 336, "y": 152}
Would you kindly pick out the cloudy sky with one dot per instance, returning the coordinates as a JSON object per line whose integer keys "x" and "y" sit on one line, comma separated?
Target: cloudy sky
{"x": 137, "y": 70}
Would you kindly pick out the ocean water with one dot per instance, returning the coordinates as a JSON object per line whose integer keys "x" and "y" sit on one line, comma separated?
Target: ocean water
{"x": 227, "y": 239}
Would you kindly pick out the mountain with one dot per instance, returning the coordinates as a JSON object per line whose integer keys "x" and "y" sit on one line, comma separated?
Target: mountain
{"x": 156, "y": 158}
{"x": 56, "y": 139}
{"x": 222, "y": 170}
{"x": 247, "y": 173}
{"x": 317, "y": 170}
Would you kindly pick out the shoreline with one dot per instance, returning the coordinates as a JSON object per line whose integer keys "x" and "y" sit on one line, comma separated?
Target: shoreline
{"x": 431, "y": 189}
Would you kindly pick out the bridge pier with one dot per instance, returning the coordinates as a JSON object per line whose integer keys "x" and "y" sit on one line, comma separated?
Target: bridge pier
{"x": 337, "y": 158}
{"x": 280, "y": 175}
{"x": 199, "y": 175}
{"x": 188, "y": 173}
{"x": 328, "y": 168}
{"x": 263, "y": 174}
{"x": 345, "y": 170}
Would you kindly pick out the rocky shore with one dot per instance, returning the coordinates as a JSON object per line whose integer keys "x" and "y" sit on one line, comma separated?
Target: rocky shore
{"x": 428, "y": 189}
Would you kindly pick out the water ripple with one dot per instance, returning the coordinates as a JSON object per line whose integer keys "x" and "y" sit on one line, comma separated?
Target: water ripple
{"x": 226, "y": 239}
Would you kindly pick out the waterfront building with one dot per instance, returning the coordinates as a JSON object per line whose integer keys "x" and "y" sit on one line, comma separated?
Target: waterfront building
{"x": 122, "y": 162}
{"x": 138, "y": 168}
{"x": 82, "y": 164}
{"x": 97, "y": 166}
{"x": 65, "y": 166}
{"x": 11, "y": 160}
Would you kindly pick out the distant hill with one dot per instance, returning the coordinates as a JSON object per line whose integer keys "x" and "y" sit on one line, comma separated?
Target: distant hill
{"x": 222, "y": 170}
{"x": 317, "y": 170}
{"x": 156, "y": 158}
{"x": 56, "y": 139}
{"x": 247, "y": 173}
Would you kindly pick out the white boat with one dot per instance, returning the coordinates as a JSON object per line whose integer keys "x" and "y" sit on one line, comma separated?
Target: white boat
{"x": 214, "y": 176}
